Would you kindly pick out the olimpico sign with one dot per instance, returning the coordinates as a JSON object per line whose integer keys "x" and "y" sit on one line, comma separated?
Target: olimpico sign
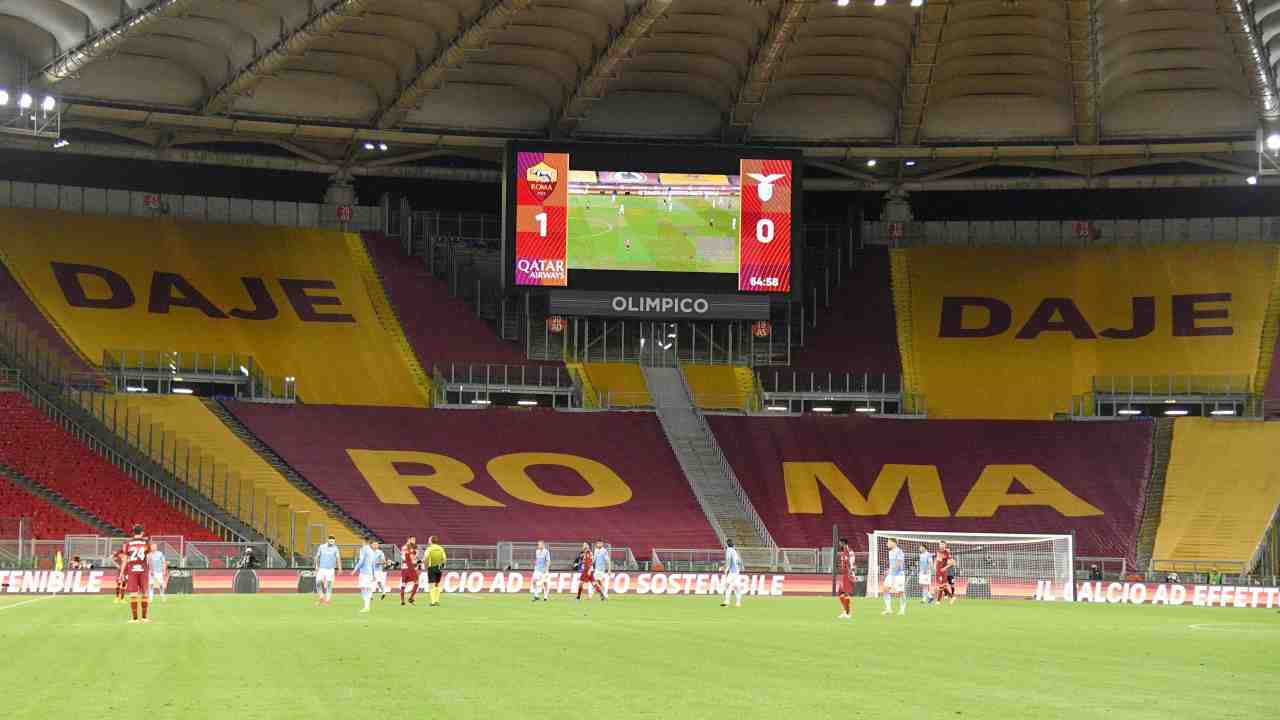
{"x": 659, "y": 305}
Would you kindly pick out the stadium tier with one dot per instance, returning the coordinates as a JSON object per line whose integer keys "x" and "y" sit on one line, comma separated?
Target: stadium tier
{"x": 807, "y": 474}
{"x": 1015, "y": 333}
{"x": 47, "y": 520}
{"x": 441, "y": 328}
{"x": 191, "y": 422}
{"x": 1221, "y": 492}
{"x": 302, "y": 303}
{"x": 620, "y": 384}
{"x": 46, "y": 454}
{"x": 721, "y": 386}
{"x": 856, "y": 332}
{"x": 15, "y": 303}
{"x": 479, "y": 477}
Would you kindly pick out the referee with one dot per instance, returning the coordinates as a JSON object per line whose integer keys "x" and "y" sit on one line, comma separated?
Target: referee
{"x": 434, "y": 559}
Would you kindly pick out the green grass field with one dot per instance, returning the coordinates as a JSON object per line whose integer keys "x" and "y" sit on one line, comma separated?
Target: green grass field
{"x": 491, "y": 656}
{"x": 692, "y": 237}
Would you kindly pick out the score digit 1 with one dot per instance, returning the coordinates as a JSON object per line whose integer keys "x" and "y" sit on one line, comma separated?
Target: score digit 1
{"x": 542, "y": 224}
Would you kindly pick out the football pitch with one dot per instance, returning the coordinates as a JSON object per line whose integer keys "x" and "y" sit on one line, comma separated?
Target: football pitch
{"x": 694, "y": 236}
{"x": 495, "y": 656}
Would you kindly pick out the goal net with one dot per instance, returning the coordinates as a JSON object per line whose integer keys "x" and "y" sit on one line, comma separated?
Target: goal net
{"x": 1012, "y": 566}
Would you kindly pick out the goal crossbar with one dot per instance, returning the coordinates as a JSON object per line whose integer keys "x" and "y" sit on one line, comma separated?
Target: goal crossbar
{"x": 987, "y": 565}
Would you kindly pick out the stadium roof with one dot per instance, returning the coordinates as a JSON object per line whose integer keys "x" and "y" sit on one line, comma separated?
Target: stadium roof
{"x": 1081, "y": 88}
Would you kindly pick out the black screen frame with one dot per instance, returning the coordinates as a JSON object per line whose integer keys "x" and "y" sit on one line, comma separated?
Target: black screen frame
{"x": 651, "y": 158}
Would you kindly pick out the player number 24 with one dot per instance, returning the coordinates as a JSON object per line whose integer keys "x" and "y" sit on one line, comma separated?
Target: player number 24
{"x": 764, "y": 231}
{"x": 542, "y": 224}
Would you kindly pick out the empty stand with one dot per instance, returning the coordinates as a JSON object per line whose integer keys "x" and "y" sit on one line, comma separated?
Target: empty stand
{"x": 48, "y": 521}
{"x": 298, "y": 301}
{"x": 1221, "y": 492}
{"x": 192, "y": 422}
{"x": 619, "y": 384}
{"x": 47, "y": 455}
{"x": 478, "y": 477}
{"x": 15, "y": 303}
{"x": 857, "y": 332}
{"x": 440, "y": 328}
{"x": 806, "y": 474}
{"x": 721, "y": 387}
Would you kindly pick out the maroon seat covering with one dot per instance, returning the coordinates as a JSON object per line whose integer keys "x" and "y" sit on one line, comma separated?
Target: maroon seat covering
{"x": 15, "y": 300}
{"x": 858, "y": 332}
{"x": 440, "y": 328}
{"x": 48, "y": 521}
{"x": 41, "y": 450}
{"x": 662, "y": 511}
{"x": 1104, "y": 464}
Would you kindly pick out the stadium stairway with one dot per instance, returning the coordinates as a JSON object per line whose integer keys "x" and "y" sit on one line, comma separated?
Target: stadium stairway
{"x": 1162, "y": 443}
{"x": 704, "y": 466}
{"x": 194, "y": 423}
{"x": 54, "y": 515}
{"x": 285, "y": 470}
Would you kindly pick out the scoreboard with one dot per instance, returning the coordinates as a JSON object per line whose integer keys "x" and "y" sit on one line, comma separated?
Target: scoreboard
{"x": 652, "y": 218}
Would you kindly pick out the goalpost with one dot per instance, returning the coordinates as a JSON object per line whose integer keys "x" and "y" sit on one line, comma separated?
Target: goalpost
{"x": 988, "y": 565}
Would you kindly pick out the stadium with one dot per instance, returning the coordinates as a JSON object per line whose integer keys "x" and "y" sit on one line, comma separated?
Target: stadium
{"x": 703, "y": 358}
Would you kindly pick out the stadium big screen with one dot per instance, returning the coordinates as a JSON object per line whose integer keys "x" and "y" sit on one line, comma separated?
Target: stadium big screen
{"x": 652, "y": 218}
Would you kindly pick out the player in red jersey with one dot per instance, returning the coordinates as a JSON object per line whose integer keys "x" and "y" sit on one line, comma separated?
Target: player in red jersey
{"x": 944, "y": 574}
{"x": 409, "y": 569}
{"x": 846, "y": 563}
{"x": 121, "y": 577}
{"x": 584, "y": 566}
{"x": 135, "y": 565}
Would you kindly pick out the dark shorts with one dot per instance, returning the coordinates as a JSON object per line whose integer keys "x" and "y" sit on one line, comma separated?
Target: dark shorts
{"x": 434, "y": 573}
{"x": 136, "y": 583}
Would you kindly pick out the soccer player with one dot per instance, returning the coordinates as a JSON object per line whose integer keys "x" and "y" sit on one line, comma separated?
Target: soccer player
{"x": 541, "y": 573}
{"x": 366, "y": 565}
{"x": 584, "y": 569}
{"x": 944, "y": 574}
{"x": 135, "y": 566}
{"x": 158, "y": 564}
{"x": 328, "y": 562}
{"x": 380, "y": 571}
{"x": 924, "y": 574}
{"x": 409, "y": 569}
{"x": 732, "y": 579}
{"x": 121, "y": 577}
{"x": 895, "y": 582}
{"x": 845, "y": 561}
{"x": 600, "y": 566}
{"x": 434, "y": 559}
{"x": 622, "y": 209}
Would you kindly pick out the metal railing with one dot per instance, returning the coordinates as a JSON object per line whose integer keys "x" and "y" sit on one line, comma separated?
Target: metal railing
{"x": 797, "y": 560}
{"x": 520, "y": 555}
{"x": 158, "y": 371}
{"x": 487, "y": 374}
{"x": 9, "y": 378}
{"x": 1073, "y": 233}
{"x": 205, "y": 554}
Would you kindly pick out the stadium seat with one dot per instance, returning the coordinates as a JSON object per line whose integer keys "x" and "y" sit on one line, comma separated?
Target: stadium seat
{"x": 441, "y": 328}
{"x": 807, "y": 474}
{"x": 622, "y": 384}
{"x": 42, "y": 451}
{"x": 1221, "y": 492}
{"x": 720, "y": 387}
{"x": 303, "y": 303}
{"x": 856, "y": 332}
{"x": 461, "y": 474}
{"x": 191, "y": 421}
{"x": 15, "y": 303}
{"x": 48, "y": 521}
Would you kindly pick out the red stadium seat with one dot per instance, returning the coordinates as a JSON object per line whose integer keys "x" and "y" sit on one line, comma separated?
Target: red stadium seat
{"x": 48, "y": 521}
{"x": 40, "y": 450}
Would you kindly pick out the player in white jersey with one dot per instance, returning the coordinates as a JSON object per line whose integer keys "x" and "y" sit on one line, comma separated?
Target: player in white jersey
{"x": 541, "y": 583}
{"x": 895, "y": 581}
{"x": 622, "y": 209}
{"x": 732, "y": 574}
{"x": 601, "y": 564}
{"x": 328, "y": 562}
{"x": 364, "y": 569}
{"x": 158, "y": 572}
{"x": 924, "y": 575}
{"x": 380, "y": 571}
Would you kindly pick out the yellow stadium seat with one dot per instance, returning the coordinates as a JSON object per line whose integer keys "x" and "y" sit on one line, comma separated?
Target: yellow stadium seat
{"x": 187, "y": 421}
{"x": 720, "y": 387}
{"x": 301, "y": 302}
{"x": 1221, "y": 491}
{"x": 621, "y": 384}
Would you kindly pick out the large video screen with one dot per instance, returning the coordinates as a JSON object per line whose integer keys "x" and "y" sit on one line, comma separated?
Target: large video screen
{"x": 585, "y": 220}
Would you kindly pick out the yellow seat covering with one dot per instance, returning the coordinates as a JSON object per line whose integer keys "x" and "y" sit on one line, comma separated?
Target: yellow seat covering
{"x": 718, "y": 387}
{"x": 160, "y": 285}
{"x": 622, "y": 384}
{"x": 1220, "y": 494}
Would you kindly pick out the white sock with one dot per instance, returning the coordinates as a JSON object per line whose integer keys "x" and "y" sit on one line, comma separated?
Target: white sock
{"x": 902, "y": 603}
{"x": 888, "y": 602}
{"x": 366, "y": 594}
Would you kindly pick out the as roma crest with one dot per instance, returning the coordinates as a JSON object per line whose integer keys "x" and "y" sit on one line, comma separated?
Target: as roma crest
{"x": 542, "y": 180}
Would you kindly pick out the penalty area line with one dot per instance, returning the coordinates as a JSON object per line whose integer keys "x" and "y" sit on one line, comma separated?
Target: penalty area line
{"x": 26, "y": 602}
